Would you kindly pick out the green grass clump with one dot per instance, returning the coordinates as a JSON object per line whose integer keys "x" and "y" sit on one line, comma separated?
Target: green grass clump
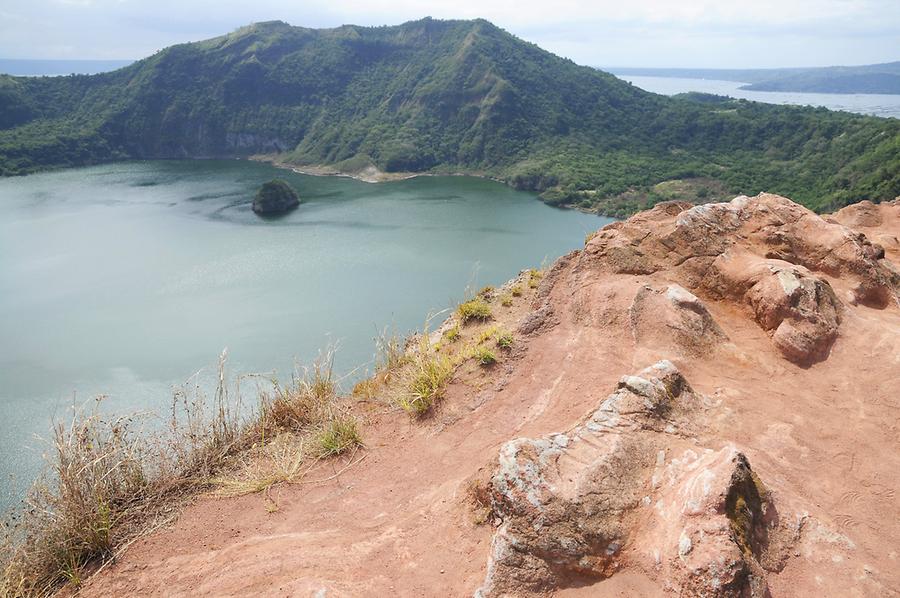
{"x": 506, "y": 301}
{"x": 484, "y": 356}
{"x": 474, "y": 309}
{"x": 425, "y": 385}
{"x": 452, "y": 335}
{"x": 505, "y": 340}
{"x": 339, "y": 435}
{"x": 486, "y": 291}
{"x": 516, "y": 291}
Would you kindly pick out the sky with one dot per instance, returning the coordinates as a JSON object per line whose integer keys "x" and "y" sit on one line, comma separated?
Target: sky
{"x": 623, "y": 33}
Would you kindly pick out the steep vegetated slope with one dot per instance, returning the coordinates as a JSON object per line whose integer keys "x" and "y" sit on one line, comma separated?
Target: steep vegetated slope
{"x": 443, "y": 96}
{"x": 701, "y": 402}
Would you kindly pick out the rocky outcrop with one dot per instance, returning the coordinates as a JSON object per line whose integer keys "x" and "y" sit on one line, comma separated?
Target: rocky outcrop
{"x": 879, "y": 221}
{"x": 768, "y": 253}
{"x": 574, "y": 506}
{"x": 676, "y": 316}
{"x": 274, "y": 198}
{"x": 757, "y": 478}
{"x": 864, "y": 214}
{"x": 799, "y": 310}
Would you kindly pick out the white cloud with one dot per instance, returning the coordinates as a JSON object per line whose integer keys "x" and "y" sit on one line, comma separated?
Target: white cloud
{"x": 609, "y": 32}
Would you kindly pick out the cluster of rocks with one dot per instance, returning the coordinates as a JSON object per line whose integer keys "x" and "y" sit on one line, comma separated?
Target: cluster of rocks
{"x": 631, "y": 486}
{"x": 767, "y": 253}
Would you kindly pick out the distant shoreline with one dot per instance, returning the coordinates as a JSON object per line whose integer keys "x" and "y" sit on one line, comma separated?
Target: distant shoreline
{"x": 370, "y": 174}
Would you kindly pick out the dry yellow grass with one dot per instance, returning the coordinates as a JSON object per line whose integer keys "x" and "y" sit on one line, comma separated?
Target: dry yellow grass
{"x": 109, "y": 480}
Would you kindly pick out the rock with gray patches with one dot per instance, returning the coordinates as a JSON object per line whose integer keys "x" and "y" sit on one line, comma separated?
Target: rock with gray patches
{"x": 562, "y": 498}
{"x": 674, "y": 317}
{"x": 693, "y": 245}
{"x": 572, "y": 504}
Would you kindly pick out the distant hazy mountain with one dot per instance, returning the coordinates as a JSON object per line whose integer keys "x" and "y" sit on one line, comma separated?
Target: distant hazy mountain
{"x": 873, "y": 78}
{"x": 443, "y": 96}
{"x": 9, "y": 66}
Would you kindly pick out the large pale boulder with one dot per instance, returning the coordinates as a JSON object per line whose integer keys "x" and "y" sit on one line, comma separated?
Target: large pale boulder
{"x": 674, "y": 318}
{"x": 574, "y": 506}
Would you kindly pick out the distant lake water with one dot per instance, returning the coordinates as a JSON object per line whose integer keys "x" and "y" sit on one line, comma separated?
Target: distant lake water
{"x": 55, "y": 68}
{"x": 125, "y": 279}
{"x": 863, "y": 103}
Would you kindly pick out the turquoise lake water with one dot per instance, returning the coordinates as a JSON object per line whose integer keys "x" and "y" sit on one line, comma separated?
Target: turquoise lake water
{"x": 126, "y": 279}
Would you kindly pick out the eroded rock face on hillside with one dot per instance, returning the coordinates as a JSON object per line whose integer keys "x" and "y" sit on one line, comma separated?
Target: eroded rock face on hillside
{"x": 880, "y": 223}
{"x": 674, "y": 314}
{"x": 773, "y": 256}
{"x": 575, "y": 507}
{"x": 724, "y": 470}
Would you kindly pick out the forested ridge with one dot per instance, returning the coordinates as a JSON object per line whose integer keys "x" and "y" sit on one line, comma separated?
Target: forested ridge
{"x": 444, "y": 96}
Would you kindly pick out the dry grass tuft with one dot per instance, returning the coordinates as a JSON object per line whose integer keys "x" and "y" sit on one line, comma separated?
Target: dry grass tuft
{"x": 307, "y": 402}
{"x": 474, "y": 309}
{"x": 110, "y": 480}
{"x": 390, "y": 350}
{"x": 424, "y": 382}
{"x": 366, "y": 389}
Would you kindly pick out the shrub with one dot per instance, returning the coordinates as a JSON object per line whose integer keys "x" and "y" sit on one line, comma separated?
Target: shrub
{"x": 506, "y": 301}
{"x": 452, "y": 334}
{"x": 474, "y": 309}
{"x": 485, "y": 356}
{"x": 505, "y": 340}
{"x": 338, "y": 435}
{"x": 516, "y": 291}
{"x": 425, "y": 384}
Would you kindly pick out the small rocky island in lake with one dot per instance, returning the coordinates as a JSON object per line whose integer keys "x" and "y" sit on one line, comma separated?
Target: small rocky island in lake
{"x": 275, "y": 197}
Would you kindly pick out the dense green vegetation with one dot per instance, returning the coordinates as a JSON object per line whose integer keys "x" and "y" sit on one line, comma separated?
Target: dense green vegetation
{"x": 275, "y": 197}
{"x": 443, "y": 96}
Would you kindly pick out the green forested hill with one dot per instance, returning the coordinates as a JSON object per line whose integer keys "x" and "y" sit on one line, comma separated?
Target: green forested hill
{"x": 443, "y": 96}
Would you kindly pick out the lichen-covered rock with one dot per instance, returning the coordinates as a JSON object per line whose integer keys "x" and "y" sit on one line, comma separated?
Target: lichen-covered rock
{"x": 714, "y": 526}
{"x": 576, "y": 507}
